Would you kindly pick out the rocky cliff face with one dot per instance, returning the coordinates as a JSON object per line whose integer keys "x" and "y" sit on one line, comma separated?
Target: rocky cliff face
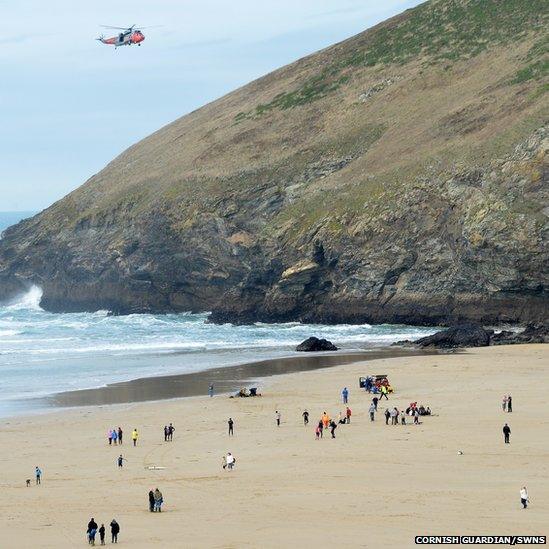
{"x": 399, "y": 176}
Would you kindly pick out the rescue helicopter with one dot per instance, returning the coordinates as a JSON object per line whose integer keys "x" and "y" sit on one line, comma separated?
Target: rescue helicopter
{"x": 127, "y": 36}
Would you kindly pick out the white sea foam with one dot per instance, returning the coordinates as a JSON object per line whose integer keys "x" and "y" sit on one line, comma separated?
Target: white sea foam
{"x": 29, "y": 301}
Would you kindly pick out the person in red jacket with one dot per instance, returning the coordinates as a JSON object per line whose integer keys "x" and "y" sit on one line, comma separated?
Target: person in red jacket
{"x": 349, "y": 413}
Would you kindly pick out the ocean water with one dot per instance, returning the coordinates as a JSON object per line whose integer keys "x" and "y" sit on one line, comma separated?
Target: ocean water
{"x": 43, "y": 353}
{"x": 11, "y": 218}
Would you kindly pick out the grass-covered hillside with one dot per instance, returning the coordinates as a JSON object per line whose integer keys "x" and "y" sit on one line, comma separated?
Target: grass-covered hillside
{"x": 396, "y": 176}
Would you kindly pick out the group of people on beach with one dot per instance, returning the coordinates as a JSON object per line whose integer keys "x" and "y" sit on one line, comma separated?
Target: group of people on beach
{"x": 116, "y": 436}
{"x": 168, "y": 432}
{"x": 94, "y": 529}
{"x": 156, "y": 499}
{"x": 507, "y": 403}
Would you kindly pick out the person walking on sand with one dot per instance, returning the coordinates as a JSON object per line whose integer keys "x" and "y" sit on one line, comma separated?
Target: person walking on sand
{"x": 120, "y": 461}
{"x": 383, "y": 393}
{"x": 333, "y": 427}
{"x": 171, "y": 430}
{"x": 345, "y": 395}
{"x": 120, "y": 433}
{"x": 305, "y": 415}
{"x": 509, "y": 403}
{"x": 348, "y": 414}
{"x": 321, "y": 428}
{"x": 387, "y": 416}
{"x": 38, "y": 474}
{"x": 372, "y": 411}
{"x": 151, "y": 501}
{"x": 416, "y": 416}
{"x": 135, "y": 436}
{"x": 231, "y": 426}
{"x": 506, "y": 433}
{"x": 278, "y": 417}
{"x": 158, "y": 501}
{"x": 524, "y": 497}
{"x": 211, "y": 390}
{"x": 375, "y": 400}
{"x": 91, "y": 531}
{"x": 115, "y": 530}
{"x": 504, "y": 403}
{"x": 102, "y": 534}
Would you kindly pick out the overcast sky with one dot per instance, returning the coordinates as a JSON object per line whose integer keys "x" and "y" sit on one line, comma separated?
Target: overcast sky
{"x": 69, "y": 104}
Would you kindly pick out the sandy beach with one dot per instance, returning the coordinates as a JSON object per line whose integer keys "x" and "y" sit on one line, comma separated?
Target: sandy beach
{"x": 373, "y": 486}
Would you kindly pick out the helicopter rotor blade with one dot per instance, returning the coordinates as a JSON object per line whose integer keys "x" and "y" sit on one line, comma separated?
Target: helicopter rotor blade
{"x": 118, "y": 28}
{"x": 151, "y": 27}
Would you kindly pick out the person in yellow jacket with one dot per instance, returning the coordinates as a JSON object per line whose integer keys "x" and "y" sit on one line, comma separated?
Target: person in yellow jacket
{"x": 325, "y": 420}
{"x": 135, "y": 436}
{"x": 383, "y": 390}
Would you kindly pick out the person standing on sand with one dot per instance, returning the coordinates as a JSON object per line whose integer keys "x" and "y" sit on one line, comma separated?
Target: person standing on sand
{"x": 387, "y": 416}
{"x": 305, "y": 415}
{"x": 375, "y": 400}
{"x": 158, "y": 500}
{"x": 321, "y": 428}
{"x": 231, "y": 426}
{"x": 504, "y": 403}
{"x": 278, "y": 417}
{"x": 114, "y": 436}
{"x": 506, "y": 433}
{"x": 402, "y": 417}
{"x": 325, "y": 420}
{"x": 372, "y": 411}
{"x": 109, "y": 436}
{"x": 345, "y": 395}
{"x": 231, "y": 460}
{"x": 38, "y": 474}
{"x": 524, "y": 497}
{"x": 115, "y": 530}
{"x": 348, "y": 413}
{"x": 120, "y": 461}
{"x": 151, "y": 501}
{"x": 318, "y": 432}
{"x": 416, "y": 416}
{"x": 171, "y": 430}
{"x": 383, "y": 393}
{"x": 211, "y": 390}
{"x": 165, "y": 433}
{"x": 120, "y": 433}
{"x": 91, "y": 531}
{"x": 509, "y": 403}
{"x": 102, "y": 534}
{"x": 135, "y": 436}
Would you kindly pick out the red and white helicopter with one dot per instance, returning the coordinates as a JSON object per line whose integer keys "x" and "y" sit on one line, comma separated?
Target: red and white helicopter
{"x": 127, "y": 36}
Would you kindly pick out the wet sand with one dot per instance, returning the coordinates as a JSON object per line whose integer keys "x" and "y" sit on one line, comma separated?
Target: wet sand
{"x": 226, "y": 380}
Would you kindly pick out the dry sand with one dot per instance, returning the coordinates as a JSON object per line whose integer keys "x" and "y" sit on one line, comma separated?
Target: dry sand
{"x": 373, "y": 486}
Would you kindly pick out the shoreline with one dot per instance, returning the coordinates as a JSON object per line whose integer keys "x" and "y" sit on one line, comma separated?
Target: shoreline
{"x": 375, "y": 484}
{"x": 226, "y": 380}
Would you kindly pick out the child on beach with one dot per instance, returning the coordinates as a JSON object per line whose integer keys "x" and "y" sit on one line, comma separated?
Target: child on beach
{"x": 102, "y": 534}
{"x": 120, "y": 461}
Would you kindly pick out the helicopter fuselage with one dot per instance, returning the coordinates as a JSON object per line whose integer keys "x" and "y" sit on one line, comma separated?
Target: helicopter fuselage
{"x": 124, "y": 39}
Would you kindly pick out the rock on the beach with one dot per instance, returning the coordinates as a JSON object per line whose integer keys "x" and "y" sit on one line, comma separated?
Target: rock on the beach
{"x": 533, "y": 333}
{"x": 463, "y": 335}
{"x": 314, "y": 344}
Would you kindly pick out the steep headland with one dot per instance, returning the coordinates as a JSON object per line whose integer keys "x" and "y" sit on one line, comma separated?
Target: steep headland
{"x": 399, "y": 176}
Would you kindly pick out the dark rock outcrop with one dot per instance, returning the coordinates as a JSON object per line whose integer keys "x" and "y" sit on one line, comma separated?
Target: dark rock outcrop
{"x": 313, "y": 344}
{"x": 464, "y": 335}
{"x": 533, "y": 333}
